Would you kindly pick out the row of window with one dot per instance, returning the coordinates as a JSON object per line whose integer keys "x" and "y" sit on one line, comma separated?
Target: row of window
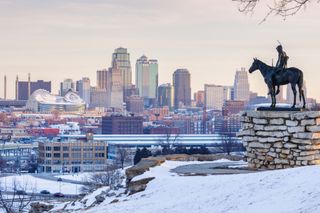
{"x": 76, "y": 155}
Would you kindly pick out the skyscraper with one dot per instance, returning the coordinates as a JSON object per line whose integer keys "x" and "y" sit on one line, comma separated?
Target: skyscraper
{"x": 214, "y": 96}
{"x": 66, "y": 86}
{"x": 122, "y": 58}
{"x": 182, "y": 88}
{"x": 165, "y": 95}
{"x": 102, "y": 78}
{"x": 241, "y": 86}
{"x": 84, "y": 90}
{"x": 114, "y": 88}
{"x": 147, "y": 77}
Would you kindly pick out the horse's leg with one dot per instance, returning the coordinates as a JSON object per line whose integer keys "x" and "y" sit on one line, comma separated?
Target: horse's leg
{"x": 278, "y": 90}
{"x": 294, "y": 90}
{"x": 301, "y": 94}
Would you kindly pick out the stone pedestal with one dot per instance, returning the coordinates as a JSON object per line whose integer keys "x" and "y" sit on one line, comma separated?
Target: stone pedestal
{"x": 276, "y": 140}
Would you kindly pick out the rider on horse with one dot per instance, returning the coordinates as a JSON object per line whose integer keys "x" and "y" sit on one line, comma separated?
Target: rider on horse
{"x": 282, "y": 59}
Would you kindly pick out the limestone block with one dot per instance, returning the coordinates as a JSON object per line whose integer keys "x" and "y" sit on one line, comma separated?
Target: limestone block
{"x": 275, "y": 128}
{"x": 285, "y": 151}
{"x": 271, "y": 166}
{"x": 277, "y": 121}
{"x": 281, "y": 161}
{"x": 279, "y": 166}
{"x": 277, "y": 134}
{"x": 278, "y": 150}
{"x": 304, "y": 163}
{"x": 259, "y": 121}
{"x": 250, "y": 155}
{"x": 298, "y": 162}
{"x": 300, "y": 141}
{"x": 259, "y": 145}
{"x": 306, "y": 158}
{"x": 305, "y": 115}
{"x": 246, "y": 119}
{"x": 248, "y": 132}
{"x": 278, "y": 145}
{"x": 292, "y": 123}
{"x": 249, "y": 138}
{"x": 313, "y": 128}
{"x": 307, "y": 135}
{"x": 272, "y": 154}
{"x": 247, "y": 125}
{"x": 295, "y": 129}
{"x": 258, "y": 127}
{"x": 283, "y": 156}
{"x": 290, "y": 145}
{"x": 269, "y": 140}
{"x": 292, "y": 162}
{"x": 306, "y": 153}
{"x": 308, "y": 122}
{"x": 269, "y": 158}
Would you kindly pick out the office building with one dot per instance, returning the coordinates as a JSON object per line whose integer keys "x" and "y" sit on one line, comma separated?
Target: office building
{"x": 214, "y": 96}
{"x": 84, "y": 90}
{"x": 147, "y": 77}
{"x": 165, "y": 95}
{"x": 121, "y": 58}
{"x": 102, "y": 78}
{"x": 241, "y": 86}
{"x": 182, "y": 88}
{"x": 134, "y": 104}
{"x": 199, "y": 98}
{"x": 98, "y": 97}
{"x": 118, "y": 124}
{"x": 66, "y": 86}
{"x": 25, "y": 88}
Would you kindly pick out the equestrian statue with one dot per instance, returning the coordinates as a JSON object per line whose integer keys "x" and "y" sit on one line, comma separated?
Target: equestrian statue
{"x": 279, "y": 75}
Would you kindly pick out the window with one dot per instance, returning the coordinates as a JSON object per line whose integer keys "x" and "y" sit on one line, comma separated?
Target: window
{"x": 48, "y": 155}
{"x": 48, "y": 148}
{"x": 56, "y": 148}
{"x": 65, "y": 148}
{"x": 65, "y": 155}
{"x": 56, "y": 155}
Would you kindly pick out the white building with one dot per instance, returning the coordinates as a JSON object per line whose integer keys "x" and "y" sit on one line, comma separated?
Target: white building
{"x": 66, "y": 86}
{"x": 214, "y": 96}
{"x": 114, "y": 88}
{"x": 241, "y": 86}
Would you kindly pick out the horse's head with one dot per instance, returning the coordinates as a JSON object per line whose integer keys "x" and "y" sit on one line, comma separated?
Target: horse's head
{"x": 254, "y": 65}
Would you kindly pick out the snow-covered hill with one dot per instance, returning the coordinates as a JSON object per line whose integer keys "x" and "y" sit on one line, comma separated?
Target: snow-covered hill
{"x": 289, "y": 190}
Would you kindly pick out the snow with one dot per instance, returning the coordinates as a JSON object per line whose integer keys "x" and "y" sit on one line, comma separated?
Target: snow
{"x": 33, "y": 184}
{"x": 76, "y": 177}
{"x": 281, "y": 191}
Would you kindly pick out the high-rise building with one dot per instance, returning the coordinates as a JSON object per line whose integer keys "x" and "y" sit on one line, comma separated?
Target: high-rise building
{"x": 121, "y": 58}
{"x": 147, "y": 77}
{"x": 241, "y": 86}
{"x": 114, "y": 88}
{"x": 84, "y": 89}
{"x": 102, "y": 76}
{"x": 25, "y": 88}
{"x": 290, "y": 93}
{"x": 134, "y": 104}
{"x": 165, "y": 95}
{"x": 214, "y": 96}
{"x": 232, "y": 107}
{"x": 66, "y": 86}
{"x": 98, "y": 97}
{"x": 199, "y": 98}
{"x": 182, "y": 88}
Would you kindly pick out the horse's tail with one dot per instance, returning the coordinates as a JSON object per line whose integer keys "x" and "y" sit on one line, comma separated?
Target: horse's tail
{"x": 300, "y": 84}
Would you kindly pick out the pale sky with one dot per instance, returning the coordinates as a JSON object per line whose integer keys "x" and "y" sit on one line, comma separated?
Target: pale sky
{"x": 59, "y": 39}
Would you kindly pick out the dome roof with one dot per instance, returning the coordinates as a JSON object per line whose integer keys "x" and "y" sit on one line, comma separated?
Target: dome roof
{"x": 44, "y": 97}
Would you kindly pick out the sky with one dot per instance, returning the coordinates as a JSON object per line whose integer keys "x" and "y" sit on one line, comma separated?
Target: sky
{"x": 59, "y": 39}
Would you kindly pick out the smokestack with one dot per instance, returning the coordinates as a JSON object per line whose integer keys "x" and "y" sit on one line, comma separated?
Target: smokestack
{"x": 29, "y": 85}
{"x": 5, "y": 88}
{"x": 17, "y": 92}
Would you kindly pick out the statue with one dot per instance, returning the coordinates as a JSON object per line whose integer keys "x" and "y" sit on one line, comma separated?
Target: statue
{"x": 280, "y": 75}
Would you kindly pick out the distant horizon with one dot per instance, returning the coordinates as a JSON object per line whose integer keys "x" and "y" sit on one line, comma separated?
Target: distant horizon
{"x": 74, "y": 39}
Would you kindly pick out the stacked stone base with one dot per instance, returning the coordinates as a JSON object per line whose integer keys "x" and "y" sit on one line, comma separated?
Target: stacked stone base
{"x": 276, "y": 140}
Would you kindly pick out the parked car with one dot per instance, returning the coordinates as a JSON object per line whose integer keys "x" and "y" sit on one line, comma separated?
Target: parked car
{"x": 59, "y": 179}
{"x": 45, "y": 192}
{"x": 21, "y": 192}
{"x": 58, "y": 194}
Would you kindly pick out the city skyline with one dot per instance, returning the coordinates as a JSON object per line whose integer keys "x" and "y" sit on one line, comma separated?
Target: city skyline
{"x": 179, "y": 34}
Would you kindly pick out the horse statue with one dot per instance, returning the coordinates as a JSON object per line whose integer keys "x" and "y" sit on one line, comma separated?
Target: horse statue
{"x": 292, "y": 76}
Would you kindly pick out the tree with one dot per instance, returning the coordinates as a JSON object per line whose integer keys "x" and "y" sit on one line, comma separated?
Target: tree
{"x": 137, "y": 156}
{"x": 122, "y": 155}
{"x": 144, "y": 153}
{"x": 168, "y": 141}
{"x": 283, "y": 8}
{"x": 228, "y": 142}
{"x": 111, "y": 176}
{"x": 16, "y": 198}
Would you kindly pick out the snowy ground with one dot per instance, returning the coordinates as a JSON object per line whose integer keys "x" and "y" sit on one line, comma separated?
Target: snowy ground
{"x": 281, "y": 191}
{"x": 31, "y": 184}
{"x": 77, "y": 176}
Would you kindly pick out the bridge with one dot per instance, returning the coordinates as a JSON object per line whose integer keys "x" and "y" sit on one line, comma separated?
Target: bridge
{"x": 12, "y": 151}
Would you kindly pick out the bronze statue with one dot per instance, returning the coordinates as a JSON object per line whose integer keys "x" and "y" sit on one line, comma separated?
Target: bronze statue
{"x": 273, "y": 78}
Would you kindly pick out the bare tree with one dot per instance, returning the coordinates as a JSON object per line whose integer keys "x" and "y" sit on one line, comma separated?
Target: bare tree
{"x": 111, "y": 176}
{"x": 168, "y": 140}
{"x": 122, "y": 156}
{"x": 228, "y": 143}
{"x": 283, "y": 8}
{"x": 16, "y": 198}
